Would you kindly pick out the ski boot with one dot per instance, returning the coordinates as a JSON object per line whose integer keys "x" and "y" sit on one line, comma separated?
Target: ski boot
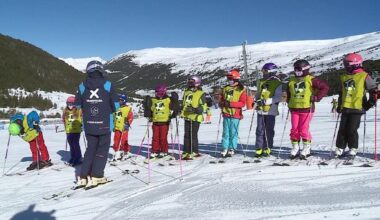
{"x": 352, "y": 152}
{"x": 95, "y": 181}
{"x": 153, "y": 156}
{"x": 230, "y": 153}
{"x": 224, "y": 153}
{"x": 266, "y": 152}
{"x": 188, "y": 156}
{"x": 339, "y": 152}
{"x": 81, "y": 183}
{"x": 295, "y": 150}
{"x": 259, "y": 152}
{"x": 305, "y": 153}
{"x": 45, "y": 163}
{"x": 32, "y": 166}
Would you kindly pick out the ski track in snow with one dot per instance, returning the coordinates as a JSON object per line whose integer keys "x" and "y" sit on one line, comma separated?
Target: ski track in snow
{"x": 231, "y": 190}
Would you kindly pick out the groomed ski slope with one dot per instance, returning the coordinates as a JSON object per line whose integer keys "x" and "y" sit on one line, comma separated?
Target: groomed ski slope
{"x": 232, "y": 190}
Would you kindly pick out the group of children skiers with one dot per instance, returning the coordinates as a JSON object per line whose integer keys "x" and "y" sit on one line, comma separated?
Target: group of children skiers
{"x": 98, "y": 111}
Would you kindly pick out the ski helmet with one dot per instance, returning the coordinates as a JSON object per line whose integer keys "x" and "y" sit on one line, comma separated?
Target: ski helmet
{"x": 269, "y": 69}
{"x": 301, "y": 68}
{"x": 233, "y": 75}
{"x": 194, "y": 81}
{"x": 352, "y": 62}
{"x": 123, "y": 98}
{"x": 160, "y": 90}
{"x": 14, "y": 129}
{"x": 93, "y": 66}
{"x": 70, "y": 100}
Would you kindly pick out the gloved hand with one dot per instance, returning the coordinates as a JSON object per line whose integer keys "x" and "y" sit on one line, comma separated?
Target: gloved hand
{"x": 368, "y": 104}
{"x": 314, "y": 98}
{"x": 260, "y": 102}
{"x": 198, "y": 110}
{"x": 174, "y": 114}
{"x": 227, "y": 104}
{"x": 339, "y": 110}
{"x": 374, "y": 94}
{"x": 126, "y": 126}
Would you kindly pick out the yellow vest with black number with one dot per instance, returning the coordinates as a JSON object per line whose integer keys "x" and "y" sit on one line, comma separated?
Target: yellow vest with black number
{"x": 160, "y": 110}
{"x": 353, "y": 90}
{"x": 73, "y": 120}
{"x": 267, "y": 90}
{"x": 192, "y": 99}
{"x": 120, "y": 117}
{"x": 30, "y": 133}
{"x": 231, "y": 94}
{"x": 300, "y": 92}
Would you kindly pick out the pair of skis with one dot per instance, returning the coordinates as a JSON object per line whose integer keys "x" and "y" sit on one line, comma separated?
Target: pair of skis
{"x": 21, "y": 173}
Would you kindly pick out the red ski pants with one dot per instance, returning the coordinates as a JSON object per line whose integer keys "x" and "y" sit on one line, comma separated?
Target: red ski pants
{"x": 38, "y": 148}
{"x": 160, "y": 138}
{"x": 120, "y": 141}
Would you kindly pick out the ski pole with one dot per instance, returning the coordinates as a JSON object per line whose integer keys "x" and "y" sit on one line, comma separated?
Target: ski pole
{"x": 283, "y": 133}
{"x": 6, "y": 153}
{"x": 148, "y": 156}
{"x": 171, "y": 137}
{"x": 217, "y": 133}
{"x": 84, "y": 140}
{"x": 66, "y": 143}
{"x": 249, "y": 132}
{"x": 38, "y": 155}
{"x": 376, "y": 131}
{"x": 143, "y": 139}
{"x": 179, "y": 149}
{"x": 364, "y": 132}
{"x": 332, "y": 142}
{"x": 265, "y": 132}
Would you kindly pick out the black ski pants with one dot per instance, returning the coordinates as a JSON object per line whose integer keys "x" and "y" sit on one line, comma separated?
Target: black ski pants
{"x": 348, "y": 131}
{"x": 96, "y": 155}
{"x": 190, "y": 141}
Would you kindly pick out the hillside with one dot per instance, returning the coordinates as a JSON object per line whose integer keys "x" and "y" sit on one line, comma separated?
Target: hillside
{"x": 28, "y": 67}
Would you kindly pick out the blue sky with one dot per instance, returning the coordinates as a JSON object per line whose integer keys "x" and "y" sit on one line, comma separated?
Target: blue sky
{"x": 105, "y": 28}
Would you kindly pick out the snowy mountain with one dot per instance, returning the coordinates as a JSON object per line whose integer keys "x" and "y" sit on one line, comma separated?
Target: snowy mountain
{"x": 172, "y": 65}
{"x": 322, "y": 54}
{"x": 81, "y": 63}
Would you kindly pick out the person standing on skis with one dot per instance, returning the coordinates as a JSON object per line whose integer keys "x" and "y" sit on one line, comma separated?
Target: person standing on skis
{"x": 123, "y": 119}
{"x": 27, "y": 127}
{"x": 302, "y": 93}
{"x": 98, "y": 101}
{"x": 162, "y": 110}
{"x": 268, "y": 95}
{"x": 72, "y": 119}
{"x": 233, "y": 99}
{"x": 352, "y": 103}
{"x": 193, "y": 106}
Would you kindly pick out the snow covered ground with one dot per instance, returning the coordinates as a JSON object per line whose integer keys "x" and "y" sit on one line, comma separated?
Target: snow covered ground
{"x": 232, "y": 190}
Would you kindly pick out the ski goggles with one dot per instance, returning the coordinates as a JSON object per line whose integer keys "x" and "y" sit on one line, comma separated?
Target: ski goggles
{"x": 298, "y": 68}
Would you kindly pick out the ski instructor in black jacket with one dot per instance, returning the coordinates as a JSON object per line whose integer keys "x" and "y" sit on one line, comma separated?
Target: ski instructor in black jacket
{"x": 98, "y": 101}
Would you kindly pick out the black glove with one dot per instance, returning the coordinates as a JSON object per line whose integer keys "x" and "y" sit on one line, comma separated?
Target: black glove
{"x": 260, "y": 102}
{"x": 339, "y": 110}
{"x": 174, "y": 114}
{"x": 198, "y": 110}
{"x": 368, "y": 104}
{"x": 227, "y": 104}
